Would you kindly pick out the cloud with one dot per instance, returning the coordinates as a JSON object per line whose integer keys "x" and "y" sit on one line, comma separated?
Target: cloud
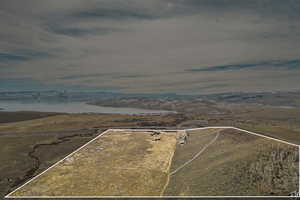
{"x": 107, "y": 75}
{"x": 21, "y": 55}
{"x": 28, "y": 84}
{"x": 151, "y": 46}
{"x": 80, "y": 32}
{"x": 290, "y": 64}
{"x": 116, "y": 14}
{"x": 4, "y": 57}
{"x": 81, "y": 76}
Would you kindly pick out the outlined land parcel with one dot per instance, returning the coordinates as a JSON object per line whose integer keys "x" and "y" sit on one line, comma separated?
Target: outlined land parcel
{"x": 212, "y": 161}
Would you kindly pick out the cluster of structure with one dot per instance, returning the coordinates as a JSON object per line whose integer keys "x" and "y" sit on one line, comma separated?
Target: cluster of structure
{"x": 155, "y": 135}
{"x": 182, "y": 137}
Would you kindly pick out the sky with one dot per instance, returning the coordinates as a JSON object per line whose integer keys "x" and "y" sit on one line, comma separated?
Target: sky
{"x": 150, "y": 46}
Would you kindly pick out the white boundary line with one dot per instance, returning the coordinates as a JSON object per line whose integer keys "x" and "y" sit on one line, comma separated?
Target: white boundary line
{"x": 142, "y": 197}
{"x": 278, "y": 140}
{"x": 138, "y": 130}
{"x": 8, "y": 195}
{"x": 209, "y": 127}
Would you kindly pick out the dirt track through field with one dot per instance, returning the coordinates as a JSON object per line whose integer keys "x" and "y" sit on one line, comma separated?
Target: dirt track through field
{"x": 197, "y": 155}
{"x": 168, "y": 177}
{"x": 186, "y": 163}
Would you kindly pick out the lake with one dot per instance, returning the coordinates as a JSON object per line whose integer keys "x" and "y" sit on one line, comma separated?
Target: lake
{"x": 72, "y": 107}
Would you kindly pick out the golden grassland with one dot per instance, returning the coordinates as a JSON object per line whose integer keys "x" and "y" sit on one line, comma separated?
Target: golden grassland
{"x": 127, "y": 163}
{"x": 51, "y": 138}
{"x": 226, "y": 165}
{"x": 115, "y": 164}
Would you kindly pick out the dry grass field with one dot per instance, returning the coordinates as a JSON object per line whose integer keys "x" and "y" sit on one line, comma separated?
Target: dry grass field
{"x": 281, "y": 123}
{"x": 29, "y": 147}
{"x": 81, "y": 121}
{"x": 237, "y": 163}
{"x": 115, "y": 164}
{"x": 212, "y": 162}
{"x": 6, "y": 117}
{"x": 25, "y": 155}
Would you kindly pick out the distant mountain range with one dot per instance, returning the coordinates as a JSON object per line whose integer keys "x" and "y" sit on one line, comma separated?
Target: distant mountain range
{"x": 265, "y": 98}
{"x": 58, "y": 96}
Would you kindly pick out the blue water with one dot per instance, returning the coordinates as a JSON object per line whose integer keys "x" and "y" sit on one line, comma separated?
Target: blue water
{"x": 72, "y": 107}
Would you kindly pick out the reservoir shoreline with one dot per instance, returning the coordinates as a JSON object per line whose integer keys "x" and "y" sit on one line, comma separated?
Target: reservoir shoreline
{"x": 74, "y": 107}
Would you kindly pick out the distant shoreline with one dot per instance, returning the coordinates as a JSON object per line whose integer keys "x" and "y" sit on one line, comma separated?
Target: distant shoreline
{"x": 135, "y": 107}
{"x": 77, "y": 108}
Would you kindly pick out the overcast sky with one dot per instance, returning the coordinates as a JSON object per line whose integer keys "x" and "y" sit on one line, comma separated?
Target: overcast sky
{"x": 150, "y": 46}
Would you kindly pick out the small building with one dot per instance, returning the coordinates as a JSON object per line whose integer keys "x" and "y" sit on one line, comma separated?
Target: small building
{"x": 182, "y": 137}
{"x": 156, "y": 138}
{"x": 154, "y": 133}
